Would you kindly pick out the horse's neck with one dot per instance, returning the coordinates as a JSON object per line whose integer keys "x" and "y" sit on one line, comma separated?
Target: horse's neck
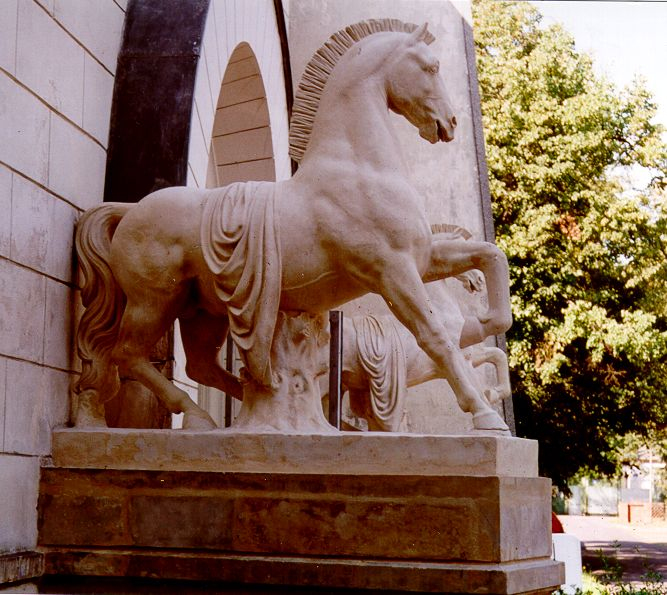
{"x": 354, "y": 123}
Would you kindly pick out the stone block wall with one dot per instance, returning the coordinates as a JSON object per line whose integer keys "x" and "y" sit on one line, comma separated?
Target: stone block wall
{"x": 57, "y": 65}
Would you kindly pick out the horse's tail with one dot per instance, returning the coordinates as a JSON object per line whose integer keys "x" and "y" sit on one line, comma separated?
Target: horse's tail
{"x": 102, "y": 298}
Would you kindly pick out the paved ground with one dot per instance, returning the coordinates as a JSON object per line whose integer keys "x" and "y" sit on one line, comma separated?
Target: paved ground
{"x": 636, "y": 547}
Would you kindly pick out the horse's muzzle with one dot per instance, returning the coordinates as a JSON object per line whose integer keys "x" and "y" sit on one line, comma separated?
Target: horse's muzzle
{"x": 445, "y": 132}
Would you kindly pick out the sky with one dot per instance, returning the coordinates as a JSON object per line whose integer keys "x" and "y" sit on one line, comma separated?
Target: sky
{"x": 624, "y": 38}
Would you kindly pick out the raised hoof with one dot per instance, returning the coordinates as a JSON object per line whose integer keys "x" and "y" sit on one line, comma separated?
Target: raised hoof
{"x": 198, "y": 420}
{"x": 489, "y": 420}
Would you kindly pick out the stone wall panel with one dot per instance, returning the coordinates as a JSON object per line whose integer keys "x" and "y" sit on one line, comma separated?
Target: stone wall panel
{"x": 8, "y": 16}
{"x": 56, "y": 397}
{"x": 19, "y": 477}
{"x": 96, "y": 25}
{"x": 31, "y": 222}
{"x": 6, "y": 210}
{"x": 49, "y": 61}
{"x": 58, "y": 326}
{"x": 97, "y": 95}
{"x": 22, "y": 298}
{"x": 24, "y": 121}
{"x": 3, "y": 389}
{"x": 203, "y": 522}
{"x": 27, "y": 429}
{"x": 77, "y": 165}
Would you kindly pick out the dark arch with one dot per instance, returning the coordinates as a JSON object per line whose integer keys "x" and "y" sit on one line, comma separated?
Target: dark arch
{"x": 153, "y": 95}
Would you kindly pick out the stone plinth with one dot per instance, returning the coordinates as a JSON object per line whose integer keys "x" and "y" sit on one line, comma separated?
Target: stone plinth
{"x": 438, "y": 513}
{"x": 343, "y": 453}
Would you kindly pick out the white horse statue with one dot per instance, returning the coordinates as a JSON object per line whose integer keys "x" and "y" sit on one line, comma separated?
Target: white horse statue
{"x": 381, "y": 359}
{"x": 229, "y": 259}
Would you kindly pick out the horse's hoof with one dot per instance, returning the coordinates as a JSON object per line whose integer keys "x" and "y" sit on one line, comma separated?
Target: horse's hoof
{"x": 86, "y": 420}
{"x": 489, "y": 420}
{"x": 198, "y": 420}
{"x": 90, "y": 414}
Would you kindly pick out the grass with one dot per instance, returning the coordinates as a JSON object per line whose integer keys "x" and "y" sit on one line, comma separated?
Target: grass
{"x": 610, "y": 580}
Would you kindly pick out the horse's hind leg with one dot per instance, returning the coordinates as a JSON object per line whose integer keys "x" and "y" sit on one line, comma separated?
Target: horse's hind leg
{"x": 141, "y": 327}
{"x": 203, "y": 335}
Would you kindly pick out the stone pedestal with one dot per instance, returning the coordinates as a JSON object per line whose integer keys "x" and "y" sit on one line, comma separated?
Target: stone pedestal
{"x": 445, "y": 514}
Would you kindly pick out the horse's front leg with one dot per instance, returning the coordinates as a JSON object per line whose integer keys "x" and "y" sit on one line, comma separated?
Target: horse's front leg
{"x": 452, "y": 257}
{"x": 404, "y": 292}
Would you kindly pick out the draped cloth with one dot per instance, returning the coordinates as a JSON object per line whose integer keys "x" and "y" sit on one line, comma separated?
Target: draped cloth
{"x": 382, "y": 356}
{"x": 241, "y": 246}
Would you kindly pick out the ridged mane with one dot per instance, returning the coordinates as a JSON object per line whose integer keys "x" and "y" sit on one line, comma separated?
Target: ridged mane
{"x": 314, "y": 79}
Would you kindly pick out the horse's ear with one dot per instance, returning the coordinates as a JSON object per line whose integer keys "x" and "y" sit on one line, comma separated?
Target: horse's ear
{"x": 420, "y": 34}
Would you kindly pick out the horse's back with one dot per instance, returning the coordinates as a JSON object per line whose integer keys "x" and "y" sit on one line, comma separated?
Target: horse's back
{"x": 156, "y": 242}
{"x": 171, "y": 212}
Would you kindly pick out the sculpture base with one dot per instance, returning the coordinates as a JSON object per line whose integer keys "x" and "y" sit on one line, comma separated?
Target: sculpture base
{"x": 383, "y": 575}
{"x": 459, "y": 531}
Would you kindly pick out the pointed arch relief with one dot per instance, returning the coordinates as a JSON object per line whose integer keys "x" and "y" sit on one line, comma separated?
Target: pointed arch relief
{"x": 240, "y": 82}
{"x": 241, "y": 144}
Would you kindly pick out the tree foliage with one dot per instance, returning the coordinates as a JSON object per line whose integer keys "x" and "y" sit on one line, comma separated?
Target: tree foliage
{"x": 588, "y": 348}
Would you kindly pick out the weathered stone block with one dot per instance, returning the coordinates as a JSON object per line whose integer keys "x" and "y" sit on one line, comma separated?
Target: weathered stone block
{"x": 437, "y": 532}
{"x": 19, "y": 478}
{"x": 379, "y": 453}
{"x": 22, "y": 297}
{"x": 97, "y": 25}
{"x": 401, "y": 517}
{"x": 30, "y": 217}
{"x": 97, "y": 94}
{"x": 5, "y": 207}
{"x": 521, "y": 578}
{"x": 27, "y": 430}
{"x": 56, "y": 390}
{"x": 523, "y": 515}
{"x": 77, "y": 518}
{"x": 20, "y": 566}
{"x": 58, "y": 325}
{"x": 181, "y": 521}
{"x": 77, "y": 165}
{"x": 3, "y": 394}
{"x": 42, "y": 229}
{"x": 25, "y": 122}
{"x": 49, "y": 61}
{"x": 373, "y": 528}
{"x": 8, "y": 16}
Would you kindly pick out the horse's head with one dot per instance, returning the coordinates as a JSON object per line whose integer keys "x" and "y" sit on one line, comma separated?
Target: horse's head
{"x": 416, "y": 90}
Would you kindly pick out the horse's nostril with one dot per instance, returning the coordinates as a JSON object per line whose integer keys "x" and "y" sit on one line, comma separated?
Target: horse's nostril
{"x": 453, "y": 121}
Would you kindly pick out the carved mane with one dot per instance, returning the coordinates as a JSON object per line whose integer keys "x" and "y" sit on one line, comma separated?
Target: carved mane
{"x": 449, "y": 228}
{"x": 314, "y": 78}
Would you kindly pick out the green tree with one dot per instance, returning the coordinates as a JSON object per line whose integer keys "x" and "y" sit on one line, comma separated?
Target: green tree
{"x": 588, "y": 348}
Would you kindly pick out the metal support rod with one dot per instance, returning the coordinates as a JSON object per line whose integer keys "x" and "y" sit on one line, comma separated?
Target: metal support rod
{"x": 335, "y": 367}
{"x": 229, "y": 366}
